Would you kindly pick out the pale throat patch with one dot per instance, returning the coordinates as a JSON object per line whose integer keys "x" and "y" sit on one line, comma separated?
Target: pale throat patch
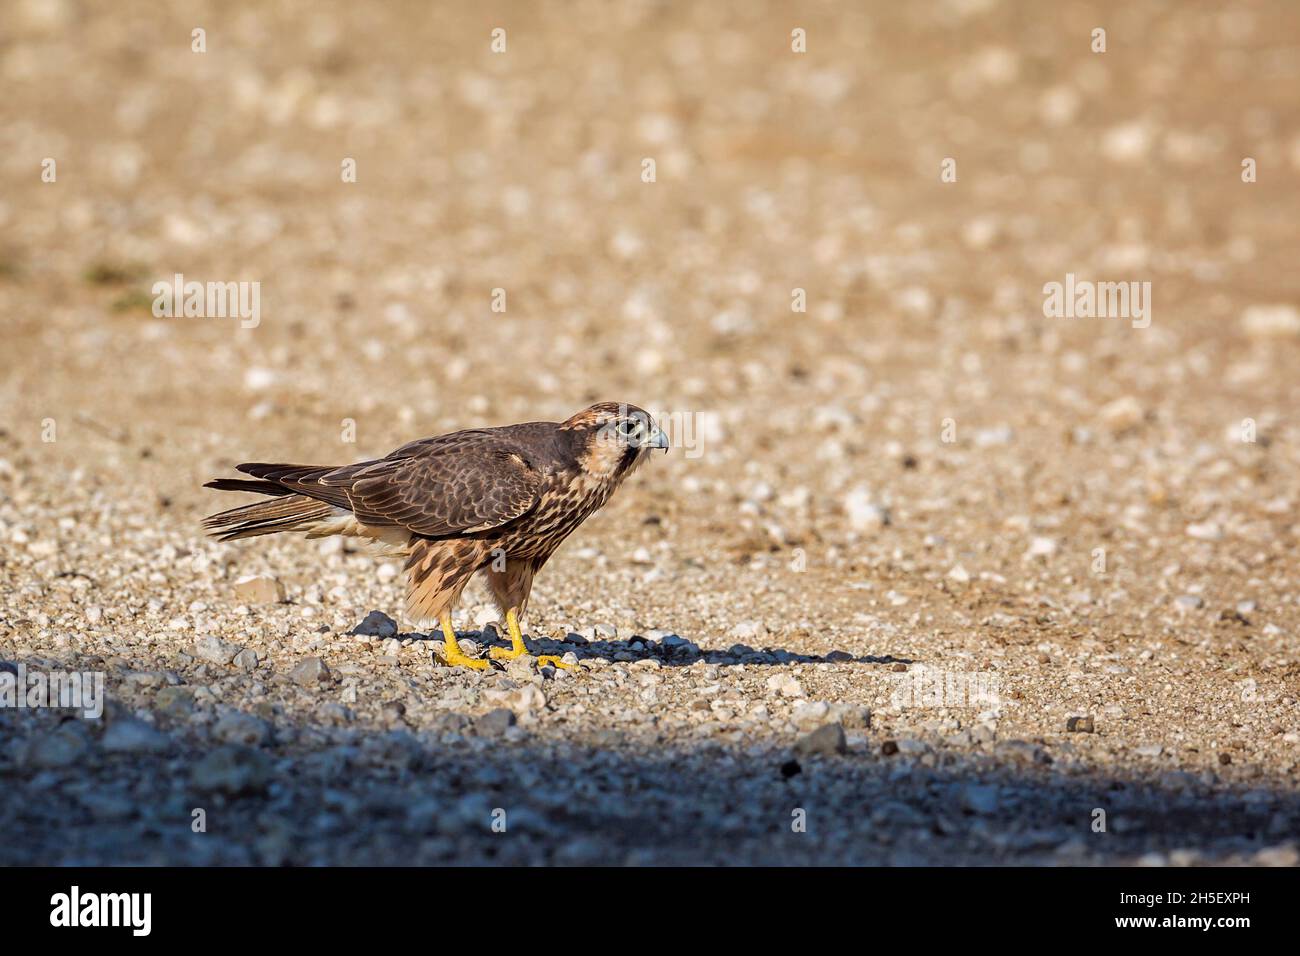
{"x": 603, "y": 456}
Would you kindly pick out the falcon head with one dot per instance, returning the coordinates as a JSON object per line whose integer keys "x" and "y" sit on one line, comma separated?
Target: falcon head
{"x": 614, "y": 437}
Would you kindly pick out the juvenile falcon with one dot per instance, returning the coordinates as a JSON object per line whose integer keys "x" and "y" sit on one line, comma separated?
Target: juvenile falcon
{"x": 495, "y": 501}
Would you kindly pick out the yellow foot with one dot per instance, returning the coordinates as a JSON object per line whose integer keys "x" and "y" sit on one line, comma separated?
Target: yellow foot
{"x": 452, "y": 655}
{"x": 457, "y": 659}
{"x": 518, "y": 648}
{"x": 501, "y": 654}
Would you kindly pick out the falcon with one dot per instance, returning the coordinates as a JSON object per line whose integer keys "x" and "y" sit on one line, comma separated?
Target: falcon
{"x": 489, "y": 501}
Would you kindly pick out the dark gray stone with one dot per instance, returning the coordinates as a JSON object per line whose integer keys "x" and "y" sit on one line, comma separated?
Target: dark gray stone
{"x": 376, "y": 624}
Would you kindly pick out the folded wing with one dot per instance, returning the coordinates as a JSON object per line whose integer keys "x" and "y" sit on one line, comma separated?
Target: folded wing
{"x": 460, "y": 484}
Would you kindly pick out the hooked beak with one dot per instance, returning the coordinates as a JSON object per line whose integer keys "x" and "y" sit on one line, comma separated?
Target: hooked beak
{"x": 658, "y": 440}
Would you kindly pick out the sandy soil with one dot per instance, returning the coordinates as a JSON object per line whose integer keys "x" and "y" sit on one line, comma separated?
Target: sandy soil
{"x": 919, "y": 481}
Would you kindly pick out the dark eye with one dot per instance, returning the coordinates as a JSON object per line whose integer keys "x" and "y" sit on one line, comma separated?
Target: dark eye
{"x": 629, "y": 427}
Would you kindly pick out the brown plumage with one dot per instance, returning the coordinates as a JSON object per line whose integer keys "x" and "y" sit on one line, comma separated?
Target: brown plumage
{"x": 492, "y": 500}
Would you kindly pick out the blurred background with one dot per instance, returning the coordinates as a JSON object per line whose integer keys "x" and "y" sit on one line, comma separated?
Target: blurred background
{"x": 775, "y": 171}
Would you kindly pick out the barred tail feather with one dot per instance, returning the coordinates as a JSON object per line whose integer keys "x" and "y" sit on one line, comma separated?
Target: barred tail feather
{"x": 287, "y": 512}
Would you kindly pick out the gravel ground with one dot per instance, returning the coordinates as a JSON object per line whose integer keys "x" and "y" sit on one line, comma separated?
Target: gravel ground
{"x": 930, "y": 577}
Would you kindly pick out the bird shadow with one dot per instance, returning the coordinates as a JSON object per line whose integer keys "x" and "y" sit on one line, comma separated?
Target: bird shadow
{"x": 666, "y": 652}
